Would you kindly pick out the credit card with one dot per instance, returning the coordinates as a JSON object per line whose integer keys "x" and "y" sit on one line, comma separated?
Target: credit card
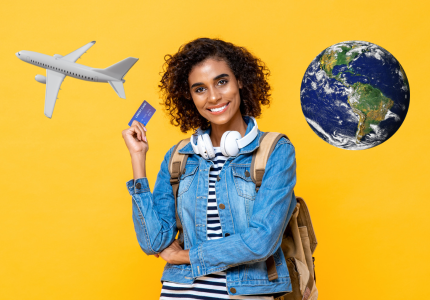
{"x": 143, "y": 114}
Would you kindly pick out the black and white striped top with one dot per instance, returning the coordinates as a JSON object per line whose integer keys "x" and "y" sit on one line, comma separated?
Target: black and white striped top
{"x": 212, "y": 286}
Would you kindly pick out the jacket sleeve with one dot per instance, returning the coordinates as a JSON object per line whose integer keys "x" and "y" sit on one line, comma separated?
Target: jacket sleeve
{"x": 154, "y": 213}
{"x": 271, "y": 213}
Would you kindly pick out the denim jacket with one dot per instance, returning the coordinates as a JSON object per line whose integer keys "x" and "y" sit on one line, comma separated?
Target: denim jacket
{"x": 252, "y": 223}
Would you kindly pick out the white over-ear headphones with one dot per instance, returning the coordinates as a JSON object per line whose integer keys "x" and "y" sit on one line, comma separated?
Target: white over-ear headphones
{"x": 231, "y": 142}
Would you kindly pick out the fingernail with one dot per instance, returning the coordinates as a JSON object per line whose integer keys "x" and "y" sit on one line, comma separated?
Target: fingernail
{"x": 145, "y": 139}
{"x": 144, "y": 128}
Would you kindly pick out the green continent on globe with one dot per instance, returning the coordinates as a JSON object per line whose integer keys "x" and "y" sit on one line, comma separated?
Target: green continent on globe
{"x": 371, "y": 106}
{"x": 332, "y": 58}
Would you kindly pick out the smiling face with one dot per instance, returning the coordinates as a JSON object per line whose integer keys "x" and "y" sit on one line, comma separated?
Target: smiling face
{"x": 215, "y": 91}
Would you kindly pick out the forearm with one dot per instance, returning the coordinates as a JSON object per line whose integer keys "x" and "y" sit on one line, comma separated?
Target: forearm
{"x": 153, "y": 213}
{"x": 138, "y": 163}
{"x": 255, "y": 244}
{"x": 154, "y": 229}
{"x": 180, "y": 257}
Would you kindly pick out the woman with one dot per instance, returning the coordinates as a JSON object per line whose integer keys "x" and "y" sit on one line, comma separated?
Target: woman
{"x": 229, "y": 230}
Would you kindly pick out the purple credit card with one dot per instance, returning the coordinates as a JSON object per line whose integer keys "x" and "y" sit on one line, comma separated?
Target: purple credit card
{"x": 143, "y": 114}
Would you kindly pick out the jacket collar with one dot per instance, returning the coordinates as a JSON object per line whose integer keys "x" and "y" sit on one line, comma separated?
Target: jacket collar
{"x": 188, "y": 149}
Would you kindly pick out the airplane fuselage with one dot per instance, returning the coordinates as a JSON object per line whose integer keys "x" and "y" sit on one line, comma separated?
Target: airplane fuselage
{"x": 58, "y": 67}
{"x": 71, "y": 69}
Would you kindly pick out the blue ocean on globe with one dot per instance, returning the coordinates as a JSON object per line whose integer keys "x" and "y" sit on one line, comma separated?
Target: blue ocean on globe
{"x": 355, "y": 95}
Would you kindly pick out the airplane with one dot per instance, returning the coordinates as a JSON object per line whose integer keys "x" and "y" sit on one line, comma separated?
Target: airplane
{"x": 58, "y": 67}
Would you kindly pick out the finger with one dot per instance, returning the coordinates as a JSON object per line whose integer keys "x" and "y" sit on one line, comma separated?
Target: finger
{"x": 142, "y": 130}
{"x": 157, "y": 255}
{"x": 137, "y": 123}
{"x": 134, "y": 129}
{"x": 136, "y": 126}
{"x": 140, "y": 124}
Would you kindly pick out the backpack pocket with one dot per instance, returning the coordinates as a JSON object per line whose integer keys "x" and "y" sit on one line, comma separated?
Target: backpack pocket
{"x": 242, "y": 180}
{"x": 299, "y": 276}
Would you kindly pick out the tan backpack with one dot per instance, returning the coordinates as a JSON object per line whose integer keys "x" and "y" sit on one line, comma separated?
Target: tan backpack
{"x": 299, "y": 240}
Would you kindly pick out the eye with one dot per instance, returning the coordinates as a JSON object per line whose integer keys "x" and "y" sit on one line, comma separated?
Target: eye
{"x": 198, "y": 90}
{"x": 222, "y": 81}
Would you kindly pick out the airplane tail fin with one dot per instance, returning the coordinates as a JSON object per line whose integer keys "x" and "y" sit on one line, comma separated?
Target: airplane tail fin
{"x": 118, "y": 88}
{"x": 119, "y": 69}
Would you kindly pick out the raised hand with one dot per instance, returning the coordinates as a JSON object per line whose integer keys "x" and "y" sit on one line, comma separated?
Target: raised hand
{"x": 135, "y": 138}
{"x": 137, "y": 144}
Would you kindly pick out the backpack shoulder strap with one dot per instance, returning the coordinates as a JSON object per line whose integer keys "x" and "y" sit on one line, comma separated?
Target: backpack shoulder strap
{"x": 268, "y": 142}
{"x": 177, "y": 164}
{"x": 177, "y": 161}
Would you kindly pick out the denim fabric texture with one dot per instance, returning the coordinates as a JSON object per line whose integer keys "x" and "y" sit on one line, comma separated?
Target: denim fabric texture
{"x": 252, "y": 223}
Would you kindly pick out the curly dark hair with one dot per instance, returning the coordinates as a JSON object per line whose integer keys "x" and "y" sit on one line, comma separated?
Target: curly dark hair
{"x": 247, "y": 68}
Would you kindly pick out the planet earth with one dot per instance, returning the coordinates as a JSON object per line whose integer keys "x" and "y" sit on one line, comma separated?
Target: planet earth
{"x": 355, "y": 95}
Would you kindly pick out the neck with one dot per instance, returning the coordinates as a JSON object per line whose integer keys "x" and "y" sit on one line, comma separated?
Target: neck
{"x": 235, "y": 124}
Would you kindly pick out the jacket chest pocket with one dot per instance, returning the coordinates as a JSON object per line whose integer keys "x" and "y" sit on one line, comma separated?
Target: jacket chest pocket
{"x": 187, "y": 178}
{"x": 242, "y": 180}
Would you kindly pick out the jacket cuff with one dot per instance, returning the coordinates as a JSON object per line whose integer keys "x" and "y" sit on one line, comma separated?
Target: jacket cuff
{"x": 138, "y": 186}
{"x": 196, "y": 260}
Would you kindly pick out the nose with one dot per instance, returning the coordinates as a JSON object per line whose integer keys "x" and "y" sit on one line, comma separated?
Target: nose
{"x": 214, "y": 95}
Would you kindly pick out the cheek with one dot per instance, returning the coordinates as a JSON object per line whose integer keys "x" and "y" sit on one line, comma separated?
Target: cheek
{"x": 199, "y": 103}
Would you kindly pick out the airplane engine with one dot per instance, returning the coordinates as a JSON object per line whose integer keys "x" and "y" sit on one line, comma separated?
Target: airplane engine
{"x": 41, "y": 79}
{"x": 58, "y": 56}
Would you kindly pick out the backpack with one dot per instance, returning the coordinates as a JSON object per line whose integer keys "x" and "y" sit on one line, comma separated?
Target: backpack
{"x": 299, "y": 240}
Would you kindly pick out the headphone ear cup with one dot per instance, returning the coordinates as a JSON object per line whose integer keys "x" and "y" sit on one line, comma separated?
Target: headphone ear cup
{"x": 201, "y": 147}
{"x": 224, "y": 135}
{"x": 208, "y": 145}
{"x": 229, "y": 145}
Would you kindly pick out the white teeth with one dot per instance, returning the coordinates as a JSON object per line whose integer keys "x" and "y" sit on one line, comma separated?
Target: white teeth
{"x": 218, "y": 109}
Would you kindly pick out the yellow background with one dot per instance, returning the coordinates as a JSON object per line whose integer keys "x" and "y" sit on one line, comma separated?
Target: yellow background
{"x": 66, "y": 230}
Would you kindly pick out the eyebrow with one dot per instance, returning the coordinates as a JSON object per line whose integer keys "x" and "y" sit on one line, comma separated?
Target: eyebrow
{"x": 217, "y": 77}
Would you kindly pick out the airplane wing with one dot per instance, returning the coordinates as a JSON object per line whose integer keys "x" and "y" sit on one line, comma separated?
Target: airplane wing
{"x": 75, "y": 55}
{"x": 53, "y": 83}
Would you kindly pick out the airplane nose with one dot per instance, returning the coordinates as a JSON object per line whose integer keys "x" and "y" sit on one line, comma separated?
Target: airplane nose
{"x": 18, "y": 54}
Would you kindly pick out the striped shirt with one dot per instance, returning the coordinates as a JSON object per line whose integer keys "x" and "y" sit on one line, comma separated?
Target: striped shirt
{"x": 212, "y": 286}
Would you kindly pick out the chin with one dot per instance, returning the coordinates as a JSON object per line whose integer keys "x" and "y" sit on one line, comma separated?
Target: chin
{"x": 220, "y": 120}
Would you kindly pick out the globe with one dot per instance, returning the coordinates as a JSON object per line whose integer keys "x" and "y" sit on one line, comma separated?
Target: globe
{"x": 355, "y": 95}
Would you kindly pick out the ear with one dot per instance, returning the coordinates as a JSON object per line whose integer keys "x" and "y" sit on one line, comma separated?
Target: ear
{"x": 239, "y": 82}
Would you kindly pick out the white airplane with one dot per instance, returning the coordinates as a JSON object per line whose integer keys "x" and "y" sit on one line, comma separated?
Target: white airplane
{"x": 58, "y": 67}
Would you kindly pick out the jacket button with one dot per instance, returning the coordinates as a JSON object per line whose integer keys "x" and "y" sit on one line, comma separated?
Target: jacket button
{"x": 218, "y": 178}
{"x": 222, "y": 206}
{"x": 247, "y": 173}
{"x": 233, "y": 290}
{"x": 227, "y": 234}
{"x": 138, "y": 185}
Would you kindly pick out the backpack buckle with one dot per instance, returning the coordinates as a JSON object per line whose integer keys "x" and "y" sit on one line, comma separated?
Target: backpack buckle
{"x": 174, "y": 180}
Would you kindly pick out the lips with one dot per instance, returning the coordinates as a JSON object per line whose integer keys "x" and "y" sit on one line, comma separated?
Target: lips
{"x": 219, "y": 108}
